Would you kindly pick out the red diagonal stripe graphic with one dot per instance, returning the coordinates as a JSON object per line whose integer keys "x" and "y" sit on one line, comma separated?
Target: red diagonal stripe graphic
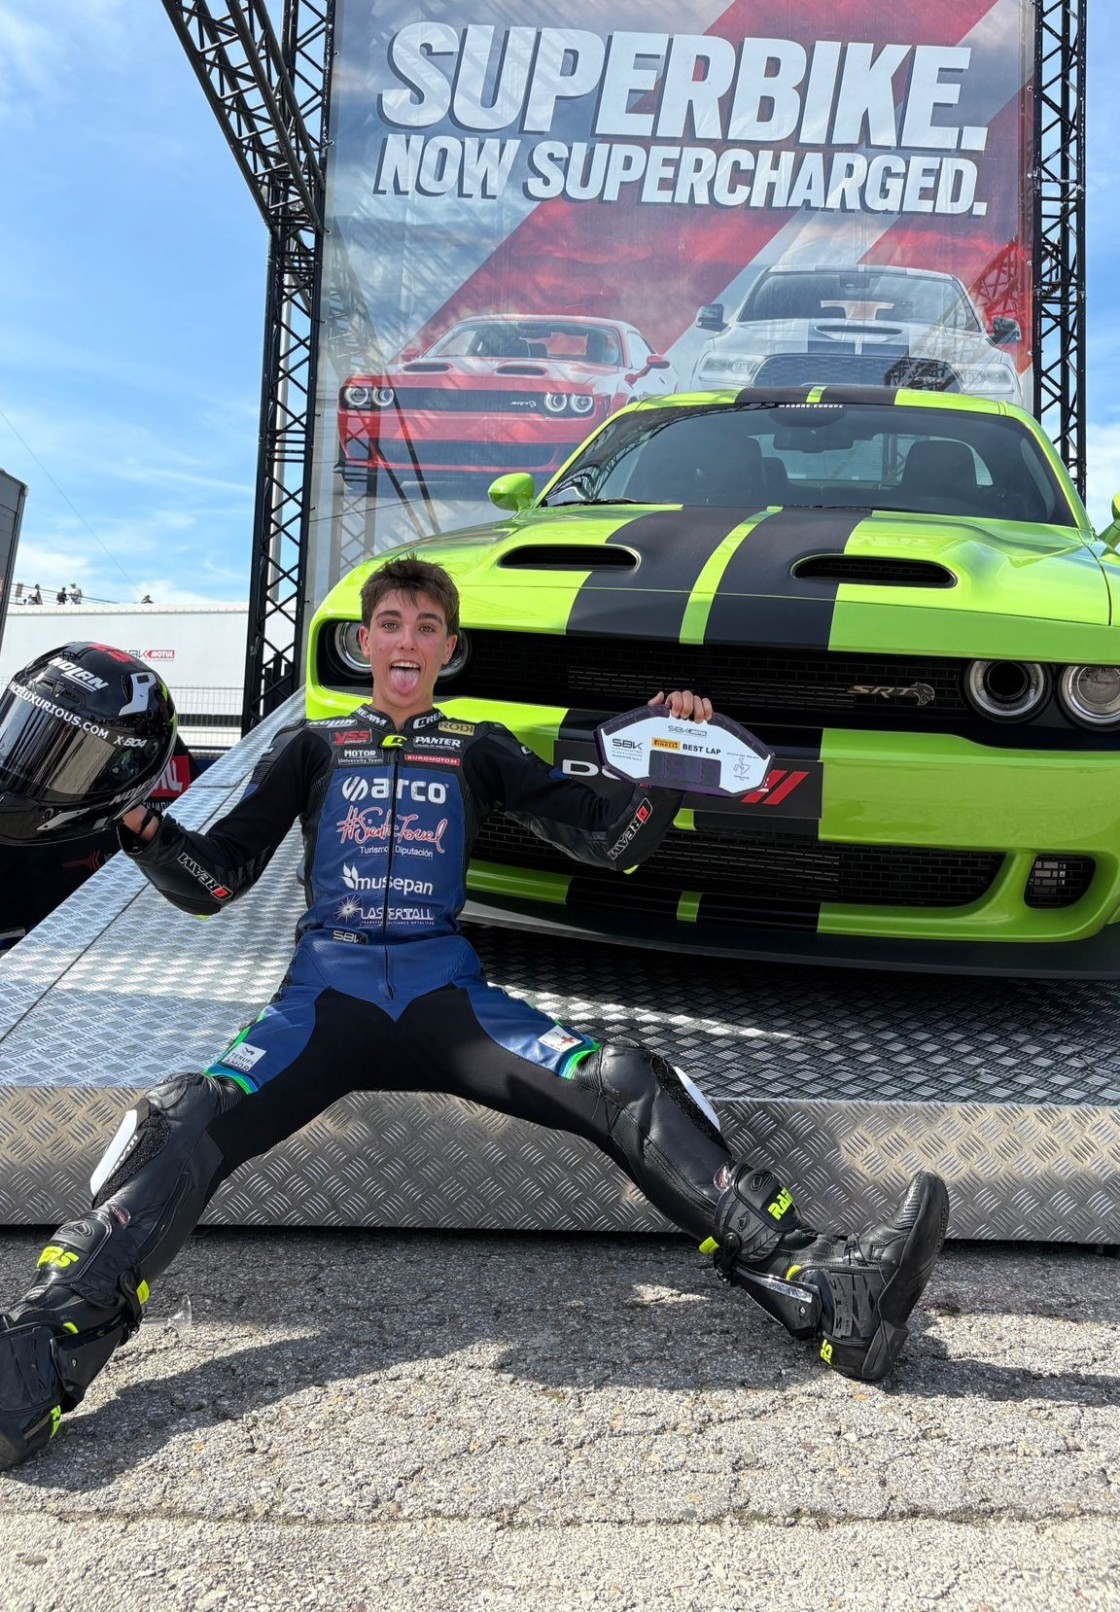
{"x": 668, "y": 260}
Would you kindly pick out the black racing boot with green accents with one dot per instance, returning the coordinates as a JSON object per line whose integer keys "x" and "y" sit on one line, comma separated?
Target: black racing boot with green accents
{"x": 854, "y": 1293}
{"x": 58, "y": 1337}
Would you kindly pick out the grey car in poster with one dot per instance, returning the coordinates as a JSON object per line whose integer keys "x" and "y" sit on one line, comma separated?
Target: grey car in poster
{"x": 858, "y": 326}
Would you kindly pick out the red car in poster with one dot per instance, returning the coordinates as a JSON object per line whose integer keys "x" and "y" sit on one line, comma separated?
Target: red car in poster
{"x": 495, "y": 393}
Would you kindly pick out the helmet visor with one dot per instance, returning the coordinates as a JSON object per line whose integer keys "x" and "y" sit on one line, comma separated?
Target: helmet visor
{"x": 59, "y": 756}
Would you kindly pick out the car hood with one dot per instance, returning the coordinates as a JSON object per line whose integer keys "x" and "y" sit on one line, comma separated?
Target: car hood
{"x": 1006, "y": 589}
{"x": 767, "y": 336}
{"x": 434, "y": 371}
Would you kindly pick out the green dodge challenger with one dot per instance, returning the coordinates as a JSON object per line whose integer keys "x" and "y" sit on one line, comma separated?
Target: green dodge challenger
{"x": 899, "y": 591}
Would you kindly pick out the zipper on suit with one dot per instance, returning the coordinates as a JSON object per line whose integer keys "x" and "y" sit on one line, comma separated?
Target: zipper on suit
{"x": 396, "y": 765}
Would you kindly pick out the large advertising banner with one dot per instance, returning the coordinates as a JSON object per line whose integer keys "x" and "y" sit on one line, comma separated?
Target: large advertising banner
{"x": 539, "y": 212}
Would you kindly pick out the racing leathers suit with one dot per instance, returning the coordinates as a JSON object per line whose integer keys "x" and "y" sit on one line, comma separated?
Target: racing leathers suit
{"x": 385, "y": 993}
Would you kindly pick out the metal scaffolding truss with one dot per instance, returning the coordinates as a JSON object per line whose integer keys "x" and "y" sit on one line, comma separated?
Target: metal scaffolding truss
{"x": 271, "y": 96}
{"x": 1059, "y": 244}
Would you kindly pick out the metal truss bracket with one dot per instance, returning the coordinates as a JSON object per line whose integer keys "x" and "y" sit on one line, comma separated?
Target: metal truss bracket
{"x": 270, "y": 96}
{"x": 1059, "y": 243}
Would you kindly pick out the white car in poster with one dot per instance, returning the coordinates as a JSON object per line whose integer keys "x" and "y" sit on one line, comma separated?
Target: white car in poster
{"x": 858, "y": 326}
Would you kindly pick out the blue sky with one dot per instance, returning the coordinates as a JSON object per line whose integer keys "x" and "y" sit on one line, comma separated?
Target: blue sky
{"x": 132, "y": 276}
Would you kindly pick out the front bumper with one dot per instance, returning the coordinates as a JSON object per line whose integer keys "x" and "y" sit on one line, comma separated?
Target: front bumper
{"x": 881, "y": 791}
{"x": 460, "y": 441}
{"x": 1097, "y": 957}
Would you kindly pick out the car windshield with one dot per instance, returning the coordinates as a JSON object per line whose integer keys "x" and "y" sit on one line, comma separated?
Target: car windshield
{"x": 820, "y": 455}
{"x": 879, "y": 295}
{"x": 559, "y": 339}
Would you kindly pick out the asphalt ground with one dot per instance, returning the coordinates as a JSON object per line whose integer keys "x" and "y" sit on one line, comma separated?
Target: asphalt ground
{"x": 374, "y": 1421}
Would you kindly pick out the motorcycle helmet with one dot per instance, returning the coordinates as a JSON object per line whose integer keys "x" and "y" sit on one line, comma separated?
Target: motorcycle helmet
{"x": 85, "y": 731}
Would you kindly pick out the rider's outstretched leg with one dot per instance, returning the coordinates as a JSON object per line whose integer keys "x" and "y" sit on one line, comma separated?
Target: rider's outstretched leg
{"x": 92, "y": 1283}
{"x": 853, "y": 1293}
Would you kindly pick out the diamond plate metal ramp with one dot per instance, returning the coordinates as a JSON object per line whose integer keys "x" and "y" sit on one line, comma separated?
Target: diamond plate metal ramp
{"x": 844, "y": 1081}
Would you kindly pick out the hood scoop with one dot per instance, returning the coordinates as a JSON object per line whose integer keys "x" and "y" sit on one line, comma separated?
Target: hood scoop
{"x": 873, "y": 571}
{"x": 426, "y": 367}
{"x": 520, "y": 369}
{"x": 567, "y": 557}
{"x": 863, "y": 329}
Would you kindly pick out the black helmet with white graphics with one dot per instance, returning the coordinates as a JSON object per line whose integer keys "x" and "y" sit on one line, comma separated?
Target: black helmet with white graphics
{"x": 85, "y": 731}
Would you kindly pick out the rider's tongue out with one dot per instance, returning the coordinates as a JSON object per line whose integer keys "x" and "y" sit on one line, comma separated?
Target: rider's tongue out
{"x": 404, "y": 677}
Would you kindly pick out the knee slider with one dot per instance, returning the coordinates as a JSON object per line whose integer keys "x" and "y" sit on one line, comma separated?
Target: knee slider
{"x": 159, "y": 1167}
{"x": 174, "y": 1115}
{"x": 624, "y": 1075}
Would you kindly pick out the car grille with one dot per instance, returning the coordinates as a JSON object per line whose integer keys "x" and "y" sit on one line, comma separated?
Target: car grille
{"x": 469, "y": 400}
{"x": 747, "y": 874}
{"x": 750, "y": 684}
{"x": 857, "y": 369}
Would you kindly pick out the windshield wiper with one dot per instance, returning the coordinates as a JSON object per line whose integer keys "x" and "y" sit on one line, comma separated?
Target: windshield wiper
{"x": 584, "y": 502}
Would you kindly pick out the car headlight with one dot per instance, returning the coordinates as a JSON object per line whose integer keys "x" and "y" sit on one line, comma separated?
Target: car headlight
{"x": 742, "y": 369}
{"x": 458, "y": 660}
{"x": 581, "y": 402}
{"x": 990, "y": 378}
{"x": 383, "y": 397}
{"x": 355, "y": 397}
{"x": 556, "y": 402}
{"x": 1008, "y": 690}
{"x": 344, "y": 640}
{"x": 1090, "y": 695}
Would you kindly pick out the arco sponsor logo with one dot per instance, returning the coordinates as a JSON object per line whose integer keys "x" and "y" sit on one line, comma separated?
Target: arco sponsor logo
{"x": 355, "y": 788}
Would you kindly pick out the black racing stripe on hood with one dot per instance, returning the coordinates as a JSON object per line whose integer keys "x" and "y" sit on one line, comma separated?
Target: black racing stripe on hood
{"x": 858, "y": 394}
{"x": 673, "y": 546}
{"x": 760, "y": 601}
{"x": 750, "y": 397}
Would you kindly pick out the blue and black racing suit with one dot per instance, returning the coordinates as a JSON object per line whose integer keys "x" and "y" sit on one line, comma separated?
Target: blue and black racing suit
{"x": 384, "y": 992}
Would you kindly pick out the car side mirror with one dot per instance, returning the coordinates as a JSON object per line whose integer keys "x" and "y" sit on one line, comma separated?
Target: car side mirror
{"x": 656, "y": 361}
{"x": 513, "y": 492}
{"x": 1005, "y": 332}
{"x": 710, "y": 316}
{"x": 407, "y": 354}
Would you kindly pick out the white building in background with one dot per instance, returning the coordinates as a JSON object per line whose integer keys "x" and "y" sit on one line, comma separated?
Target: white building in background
{"x": 198, "y": 650}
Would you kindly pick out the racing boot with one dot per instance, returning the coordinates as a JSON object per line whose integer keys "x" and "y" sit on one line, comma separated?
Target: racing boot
{"x": 56, "y": 1339}
{"x": 854, "y": 1293}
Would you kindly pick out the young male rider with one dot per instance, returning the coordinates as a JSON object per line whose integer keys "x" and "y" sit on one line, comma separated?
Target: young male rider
{"x": 383, "y": 992}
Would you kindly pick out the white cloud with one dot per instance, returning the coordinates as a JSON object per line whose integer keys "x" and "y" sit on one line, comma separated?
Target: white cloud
{"x": 45, "y": 59}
